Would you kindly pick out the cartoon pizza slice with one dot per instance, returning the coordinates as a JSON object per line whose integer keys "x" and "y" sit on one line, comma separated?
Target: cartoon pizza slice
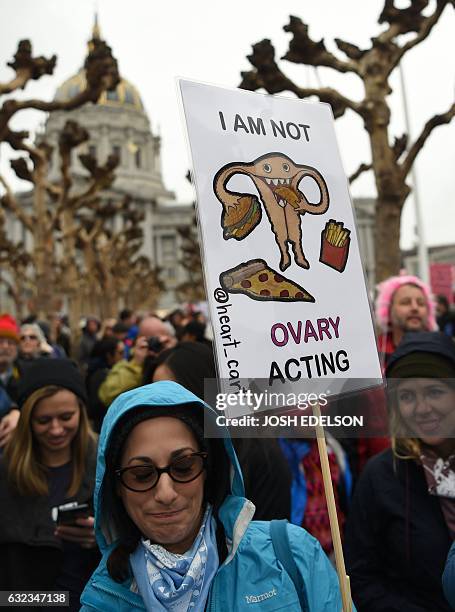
{"x": 258, "y": 281}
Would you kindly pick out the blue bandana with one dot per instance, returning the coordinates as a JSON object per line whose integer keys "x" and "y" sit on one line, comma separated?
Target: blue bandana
{"x": 168, "y": 581}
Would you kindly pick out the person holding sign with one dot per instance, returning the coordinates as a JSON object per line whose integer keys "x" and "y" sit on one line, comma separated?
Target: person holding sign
{"x": 402, "y": 519}
{"x": 174, "y": 527}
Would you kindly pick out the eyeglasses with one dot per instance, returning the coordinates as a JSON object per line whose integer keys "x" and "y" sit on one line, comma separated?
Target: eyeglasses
{"x": 29, "y": 337}
{"x": 142, "y": 478}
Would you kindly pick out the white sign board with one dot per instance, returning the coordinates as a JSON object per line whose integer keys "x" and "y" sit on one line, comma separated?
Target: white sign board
{"x": 284, "y": 278}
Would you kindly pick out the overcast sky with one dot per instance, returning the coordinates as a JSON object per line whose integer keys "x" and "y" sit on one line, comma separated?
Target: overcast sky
{"x": 209, "y": 40}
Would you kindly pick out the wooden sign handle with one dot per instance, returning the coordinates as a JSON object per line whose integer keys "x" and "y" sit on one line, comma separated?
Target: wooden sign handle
{"x": 343, "y": 578}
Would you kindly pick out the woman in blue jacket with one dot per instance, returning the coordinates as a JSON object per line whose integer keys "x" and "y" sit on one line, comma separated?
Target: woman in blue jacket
{"x": 173, "y": 525}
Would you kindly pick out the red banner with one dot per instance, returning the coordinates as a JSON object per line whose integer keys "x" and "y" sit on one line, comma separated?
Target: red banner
{"x": 442, "y": 280}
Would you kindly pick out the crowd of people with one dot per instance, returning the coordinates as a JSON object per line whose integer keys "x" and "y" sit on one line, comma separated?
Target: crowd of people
{"x": 110, "y": 490}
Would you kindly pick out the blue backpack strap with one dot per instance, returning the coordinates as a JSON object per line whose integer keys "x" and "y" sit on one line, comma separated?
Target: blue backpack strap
{"x": 283, "y": 552}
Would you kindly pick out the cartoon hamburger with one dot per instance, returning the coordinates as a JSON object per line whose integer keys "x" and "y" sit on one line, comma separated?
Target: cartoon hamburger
{"x": 241, "y": 219}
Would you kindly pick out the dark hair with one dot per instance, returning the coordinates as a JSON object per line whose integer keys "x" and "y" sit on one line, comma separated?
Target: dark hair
{"x": 190, "y": 362}
{"x": 30, "y": 319}
{"x": 196, "y": 329}
{"x": 89, "y": 319}
{"x": 442, "y": 299}
{"x": 215, "y": 489}
{"x": 120, "y": 328}
{"x": 104, "y": 347}
{"x": 178, "y": 312}
{"x": 124, "y": 314}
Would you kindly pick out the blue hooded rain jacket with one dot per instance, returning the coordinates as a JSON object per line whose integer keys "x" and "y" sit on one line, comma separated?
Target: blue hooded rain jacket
{"x": 251, "y": 577}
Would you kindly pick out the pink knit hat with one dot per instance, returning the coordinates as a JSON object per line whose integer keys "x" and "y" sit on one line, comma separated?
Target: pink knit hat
{"x": 386, "y": 290}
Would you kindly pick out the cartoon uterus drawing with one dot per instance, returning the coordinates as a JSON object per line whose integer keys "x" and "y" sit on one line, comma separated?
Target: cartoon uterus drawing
{"x": 276, "y": 178}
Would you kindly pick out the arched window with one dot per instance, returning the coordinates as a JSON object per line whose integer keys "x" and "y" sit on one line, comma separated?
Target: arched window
{"x": 117, "y": 150}
{"x": 129, "y": 98}
{"x": 138, "y": 158}
{"x": 73, "y": 91}
{"x": 112, "y": 95}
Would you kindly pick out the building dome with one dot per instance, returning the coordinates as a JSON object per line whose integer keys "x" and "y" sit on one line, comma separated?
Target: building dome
{"x": 124, "y": 95}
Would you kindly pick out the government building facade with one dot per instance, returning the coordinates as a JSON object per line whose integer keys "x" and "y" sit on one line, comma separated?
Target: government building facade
{"x": 118, "y": 123}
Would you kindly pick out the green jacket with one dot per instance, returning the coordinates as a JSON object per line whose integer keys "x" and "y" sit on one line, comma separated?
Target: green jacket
{"x": 125, "y": 375}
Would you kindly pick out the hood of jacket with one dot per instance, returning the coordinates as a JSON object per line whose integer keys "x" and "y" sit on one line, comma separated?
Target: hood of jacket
{"x": 160, "y": 394}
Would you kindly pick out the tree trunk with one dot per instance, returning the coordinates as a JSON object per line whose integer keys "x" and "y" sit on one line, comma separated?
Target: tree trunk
{"x": 391, "y": 188}
{"x": 71, "y": 274}
{"x": 387, "y": 237}
{"x": 75, "y": 308}
{"x": 392, "y": 193}
{"x": 43, "y": 242}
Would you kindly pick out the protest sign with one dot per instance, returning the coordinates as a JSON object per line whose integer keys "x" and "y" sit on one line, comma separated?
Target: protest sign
{"x": 283, "y": 272}
{"x": 442, "y": 280}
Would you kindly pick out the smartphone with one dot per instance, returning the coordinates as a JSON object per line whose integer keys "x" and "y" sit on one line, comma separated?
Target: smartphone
{"x": 68, "y": 513}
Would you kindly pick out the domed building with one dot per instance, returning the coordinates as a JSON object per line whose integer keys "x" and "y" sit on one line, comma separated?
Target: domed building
{"x": 118, "y": 123}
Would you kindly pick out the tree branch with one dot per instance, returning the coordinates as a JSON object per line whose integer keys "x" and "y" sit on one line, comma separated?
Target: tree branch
{"x": 268, "y": 76}
{"x": 53, "y": 190}
{"x": 15, "y": 139}
{"x": 96, "y": 229}
{"x": 27, "y": 67}
{"x": 407, "y": 19}
{"x": 399, "y": 146}
{"x": 12, "y": 204}
{"x": 304, "y": 50}
{"x": 70, "y": 233}
{"x": 102, "y": 177}
{"x": 70, "y": 138}
{"x": 360, "y": 170}
{"x": 21, "y": 169}
{"x": 430, "y": 125}
{"x": 350, "y": 50}
{"x": 101, "y": 73}
{"x": 423, "y": 27}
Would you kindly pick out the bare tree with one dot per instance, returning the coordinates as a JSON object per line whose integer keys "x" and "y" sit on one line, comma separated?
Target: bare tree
{"x": 101, "y": 74}
{"x": 391, "y": 161}
{"x": 192, "y": 289}
{"x": 96, "y": 268}
{"x": 114, "y": 272}
{"x": 14, "y": 264}
{"x": 53, "y": 221}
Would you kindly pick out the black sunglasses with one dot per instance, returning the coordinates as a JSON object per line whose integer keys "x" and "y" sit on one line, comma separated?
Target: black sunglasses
{"x": 144, "y": 477}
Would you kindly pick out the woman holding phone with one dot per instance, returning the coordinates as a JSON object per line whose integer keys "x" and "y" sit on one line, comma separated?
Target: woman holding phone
{"x": 49, "y": 462}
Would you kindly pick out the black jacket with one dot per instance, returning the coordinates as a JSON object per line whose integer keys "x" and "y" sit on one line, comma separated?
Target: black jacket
{"x": 267, "y": 477}
{"x": 12, "y": 384}
{"x": 30, "y": 555}
{"x": 396, "y": 540}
